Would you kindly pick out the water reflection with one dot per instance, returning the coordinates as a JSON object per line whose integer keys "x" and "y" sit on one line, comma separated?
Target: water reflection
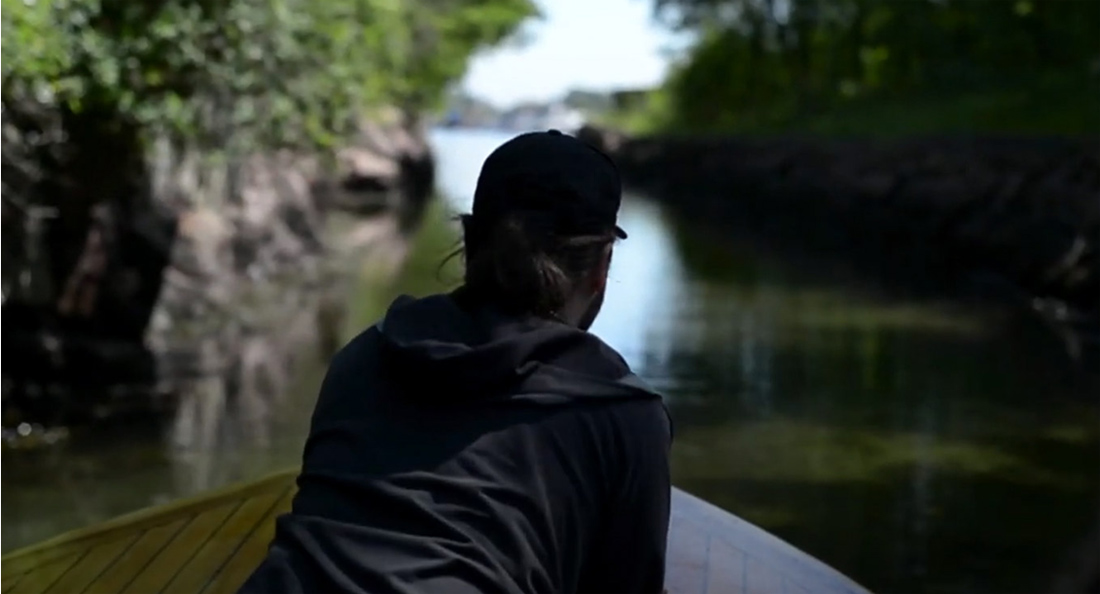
{"x": 918, "y": 446}
{"x": 223, "y": 426}
{"x": 236, "y": 397}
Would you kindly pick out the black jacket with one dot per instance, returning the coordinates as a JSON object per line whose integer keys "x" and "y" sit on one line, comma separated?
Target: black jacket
{"x": 455, "y": 450}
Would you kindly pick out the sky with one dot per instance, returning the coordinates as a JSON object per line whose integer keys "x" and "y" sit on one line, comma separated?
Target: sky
{"x": 595, "y": 45}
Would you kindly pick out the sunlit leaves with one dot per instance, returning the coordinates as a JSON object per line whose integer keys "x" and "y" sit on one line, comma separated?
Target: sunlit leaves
{"x": 760, "y": 59}
{"x": 272, "y": 72}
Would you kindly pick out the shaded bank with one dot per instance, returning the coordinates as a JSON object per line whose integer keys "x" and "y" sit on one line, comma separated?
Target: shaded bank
{"x": 1019, "y": 216}
{"x": 109, "y": 278}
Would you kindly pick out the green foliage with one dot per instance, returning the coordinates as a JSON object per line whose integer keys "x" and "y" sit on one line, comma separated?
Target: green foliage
{"x": 651, "y": 114}
{"x": 273, "y": 72}
{"x": 444, "y": 36}
{"x": 776, "y": 65}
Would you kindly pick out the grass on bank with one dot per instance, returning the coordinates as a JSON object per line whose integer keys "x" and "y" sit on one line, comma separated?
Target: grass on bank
{"x": 1061, "y": 106}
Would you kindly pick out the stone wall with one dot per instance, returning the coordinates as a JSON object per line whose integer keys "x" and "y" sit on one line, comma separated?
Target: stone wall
{"x": 264, "y": 216}
{"x": 107, "y": 285}
{"x": 1020, "y": 213}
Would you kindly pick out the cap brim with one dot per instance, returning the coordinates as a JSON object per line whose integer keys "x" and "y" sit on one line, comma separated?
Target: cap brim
{"x": 619, "y": 232}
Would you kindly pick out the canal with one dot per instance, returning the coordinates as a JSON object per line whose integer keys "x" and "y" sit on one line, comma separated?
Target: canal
{"x": 917, "y": 445}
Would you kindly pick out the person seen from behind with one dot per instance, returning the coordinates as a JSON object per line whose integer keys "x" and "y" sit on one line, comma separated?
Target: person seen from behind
{"x": 483, "y": 440}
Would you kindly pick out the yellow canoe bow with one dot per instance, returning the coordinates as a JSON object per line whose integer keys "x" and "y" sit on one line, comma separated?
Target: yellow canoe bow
{"x": 211, "y": 543}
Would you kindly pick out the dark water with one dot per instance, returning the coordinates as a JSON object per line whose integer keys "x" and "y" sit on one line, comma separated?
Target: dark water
{"x": 917, "y": 446}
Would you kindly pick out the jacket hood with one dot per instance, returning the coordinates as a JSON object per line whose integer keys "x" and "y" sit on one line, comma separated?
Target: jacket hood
{"x": 440, "y": 349}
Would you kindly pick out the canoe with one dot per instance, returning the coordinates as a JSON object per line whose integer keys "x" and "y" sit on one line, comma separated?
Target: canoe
{"x": 211, "y": 543}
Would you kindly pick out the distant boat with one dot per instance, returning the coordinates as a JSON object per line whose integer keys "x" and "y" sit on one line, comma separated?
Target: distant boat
{"x": 212, "y": 543}
{"x": 453, "y": 119}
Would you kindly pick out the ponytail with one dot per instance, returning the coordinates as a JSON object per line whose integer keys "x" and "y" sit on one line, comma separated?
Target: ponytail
{"x": 522, "y": 265}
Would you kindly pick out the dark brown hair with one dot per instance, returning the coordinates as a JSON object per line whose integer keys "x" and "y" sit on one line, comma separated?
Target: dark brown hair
{"x": 522, "y": 265}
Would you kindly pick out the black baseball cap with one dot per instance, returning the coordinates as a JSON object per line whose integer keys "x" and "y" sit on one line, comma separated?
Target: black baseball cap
{"x": 555, "y": 174}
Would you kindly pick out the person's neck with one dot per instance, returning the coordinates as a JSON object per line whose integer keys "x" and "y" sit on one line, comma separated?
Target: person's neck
{"x": 471, "y": 300}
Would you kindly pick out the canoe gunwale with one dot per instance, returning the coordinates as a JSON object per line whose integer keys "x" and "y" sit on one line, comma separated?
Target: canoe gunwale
{"x": 692, "y": 564}
{"x": 755, "y": 544}
{"x": 152, "y": 516}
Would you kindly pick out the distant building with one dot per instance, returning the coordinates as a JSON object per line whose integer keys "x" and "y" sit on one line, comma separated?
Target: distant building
{"x": 568, "y": 114}
{"x": 565, "y": 118}
{"x": 588, "y": 101}
{"x": 465, "y": 111}
{"x": 539, "y": 116}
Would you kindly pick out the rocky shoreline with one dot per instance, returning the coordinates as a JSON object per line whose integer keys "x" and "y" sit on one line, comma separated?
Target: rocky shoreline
{"x": 277, "y": 225}
{"x": 107, "y": 309}
{"x": 1021, "y": 215}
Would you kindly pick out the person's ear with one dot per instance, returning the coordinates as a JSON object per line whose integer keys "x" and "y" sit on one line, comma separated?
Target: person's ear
{"x": 603, "y": 268}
